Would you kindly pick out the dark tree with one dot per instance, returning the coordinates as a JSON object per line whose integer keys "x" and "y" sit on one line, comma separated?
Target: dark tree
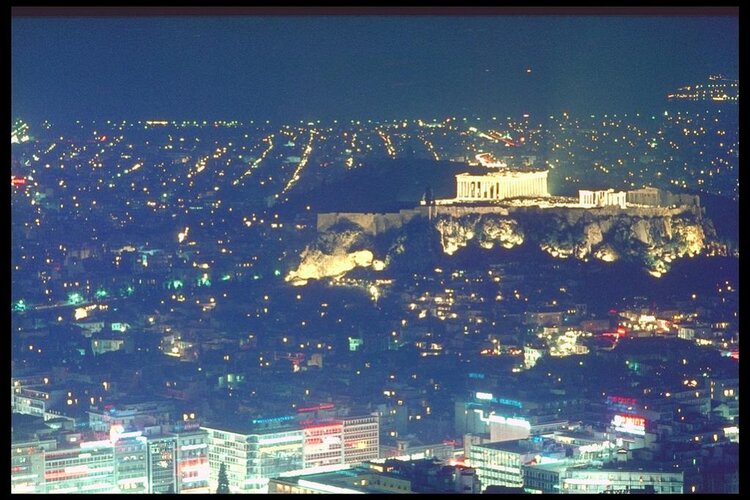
{"x": 223, "y": 480}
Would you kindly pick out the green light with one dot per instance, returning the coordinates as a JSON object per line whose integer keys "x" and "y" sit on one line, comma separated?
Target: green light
{"x": 226, "y": 277}
{"x": 354, "y": 343}
{"x": 174, "y": 284}
{"x": 276, "y": 272}
{"x": 204, "y": 280}
{"x": 101, "y": 293}
{"x": 20, "y": 306}
{"x": 128, "y": 291}
{"x": 75, "y": 298}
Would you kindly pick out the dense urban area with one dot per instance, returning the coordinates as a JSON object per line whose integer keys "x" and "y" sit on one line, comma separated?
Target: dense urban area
{"x": 197, "y": 305}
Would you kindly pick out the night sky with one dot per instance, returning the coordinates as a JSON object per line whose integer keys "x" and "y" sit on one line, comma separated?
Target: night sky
{"x": 286, "y": 68}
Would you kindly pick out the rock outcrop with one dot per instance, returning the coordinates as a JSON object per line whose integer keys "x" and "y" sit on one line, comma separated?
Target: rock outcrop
{"x": 655, "y": 238}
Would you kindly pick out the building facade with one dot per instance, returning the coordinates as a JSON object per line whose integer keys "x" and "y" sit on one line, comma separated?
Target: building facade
{"x": 27, "y": 465}
{"x": 131, "y": 462}
{"x": 572, "y": 477}
{"x": 252, "y": 457}
{"x": 131, "y": 416}
{"x": 361, "y": 436}
{"x": 161, "y": 464}
{"x": 593, "y": 480}
{"x": 87, "y": 468}
{"x": 323, "y": 444}
{"x": 501, "y": 185}
{"x": 606, "y": 198}
{"x": 191, "y": 462}
{"x": 499, "y": 464}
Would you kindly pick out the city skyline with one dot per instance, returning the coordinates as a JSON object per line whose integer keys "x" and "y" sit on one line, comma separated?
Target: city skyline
{"x": 389, "y": 253}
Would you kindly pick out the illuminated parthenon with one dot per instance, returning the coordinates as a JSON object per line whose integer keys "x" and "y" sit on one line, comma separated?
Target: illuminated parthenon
{"x": 501, "y": 184}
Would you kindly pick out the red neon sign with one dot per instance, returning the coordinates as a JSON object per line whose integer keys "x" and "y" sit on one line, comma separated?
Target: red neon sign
{"x": 324, "y": 425}
{"x": 324, "y": 406}
{"x": 622, "y": 400}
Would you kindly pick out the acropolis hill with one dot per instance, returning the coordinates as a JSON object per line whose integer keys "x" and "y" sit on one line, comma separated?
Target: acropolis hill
{"x": 649, "y": 226}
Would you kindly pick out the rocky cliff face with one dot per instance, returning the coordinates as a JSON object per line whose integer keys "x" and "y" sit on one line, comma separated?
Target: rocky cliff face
{"x": 457, "y": 232}
{"x": 336, "y": 252}
{"x": 654, "y": 240}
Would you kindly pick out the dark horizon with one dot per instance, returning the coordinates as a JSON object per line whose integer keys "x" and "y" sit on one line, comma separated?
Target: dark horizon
{"x": 290, "y": 68}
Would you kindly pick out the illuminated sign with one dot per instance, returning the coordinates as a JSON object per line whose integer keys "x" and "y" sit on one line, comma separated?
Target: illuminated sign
{"x": 324, "y": 444}
{"x": 499, "y": 419}
{"x": 510, "y": 402}
{"x": 271, "y": 420}
{"x": 630, "y": 424}
{"x": 17, "y": 181}
{"x": 311, "y": 425}
{"x": 324, "y": 406}
{"x": 282, "y": 439}
{"x": 515, "y": 422}
{"x": 488, "y": 396}
{"x": 621, "y": 400}
{"x": 95, "y": 444}
{"x": 193, "y": 447}
{"x": 622, "y": 405}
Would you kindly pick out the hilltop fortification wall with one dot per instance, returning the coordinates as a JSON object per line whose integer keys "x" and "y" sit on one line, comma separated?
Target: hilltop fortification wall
{"x": 377, "y": 223}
